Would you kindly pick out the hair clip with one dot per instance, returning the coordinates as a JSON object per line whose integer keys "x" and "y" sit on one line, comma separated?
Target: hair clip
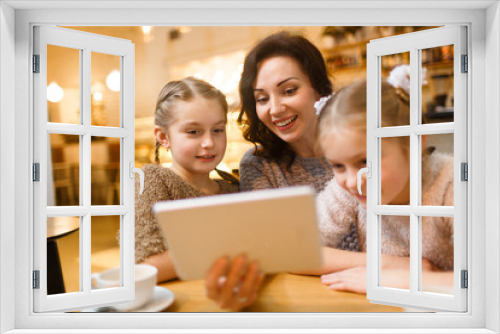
{"x": 399, "y": 78}
{"x": 320, "y": 104}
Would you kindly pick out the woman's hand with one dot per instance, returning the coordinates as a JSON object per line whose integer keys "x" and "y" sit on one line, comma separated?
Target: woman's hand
{"x": 233, "y": 285}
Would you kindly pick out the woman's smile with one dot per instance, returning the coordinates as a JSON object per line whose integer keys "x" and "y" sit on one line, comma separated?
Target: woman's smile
{"x": 285, "y": 123}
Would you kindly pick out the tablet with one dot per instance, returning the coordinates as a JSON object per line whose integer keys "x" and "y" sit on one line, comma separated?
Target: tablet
{"x": 275, "y": 227}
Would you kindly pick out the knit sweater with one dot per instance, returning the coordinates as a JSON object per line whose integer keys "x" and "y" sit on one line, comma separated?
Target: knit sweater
{"x": 262, "y": 173}
{"x": 337, "y": 211}
{"x": 161, "y": 184}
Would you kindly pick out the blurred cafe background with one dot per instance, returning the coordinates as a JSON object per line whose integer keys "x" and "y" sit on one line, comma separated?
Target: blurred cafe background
{"x": 214, "y": 54}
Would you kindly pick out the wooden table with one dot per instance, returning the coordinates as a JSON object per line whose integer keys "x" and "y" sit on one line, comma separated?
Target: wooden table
{"x": 57, "y": 227}
{"x": 280, "y": 293}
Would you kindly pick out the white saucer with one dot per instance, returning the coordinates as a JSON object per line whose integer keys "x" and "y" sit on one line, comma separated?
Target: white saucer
{"x": 162, "y": 298}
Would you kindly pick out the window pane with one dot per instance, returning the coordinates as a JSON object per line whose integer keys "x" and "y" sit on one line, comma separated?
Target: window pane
{"x": 437, "y": 248}
{"x": 105, "y": 249}
{"x": 63, "y": 84}
{"x": 395, "y": 171}
{"x": 105, "y": 171}
{"x": 438, "y": 88}
{"x": 63, "y": 189}
{"x": 105, "y": 90}
{"x": 63, "y": 255}
{"x": 391, "y": 114}
{"x": 437, "y": 170}
{"x": 395, "y": 241}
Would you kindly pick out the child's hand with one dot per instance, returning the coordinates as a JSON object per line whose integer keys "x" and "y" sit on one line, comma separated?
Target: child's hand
{"x": 352, "y": 280}
{"x": 239, "y": 288}
{"x": 403, "y": 262}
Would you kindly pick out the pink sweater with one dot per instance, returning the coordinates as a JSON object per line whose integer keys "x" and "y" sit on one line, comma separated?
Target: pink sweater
{"x": 337, "y": 210}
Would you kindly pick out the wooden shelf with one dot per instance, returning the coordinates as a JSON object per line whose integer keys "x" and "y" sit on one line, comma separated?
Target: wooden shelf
{"x": 437, "y": 115}
{"x": 345, "y": 46}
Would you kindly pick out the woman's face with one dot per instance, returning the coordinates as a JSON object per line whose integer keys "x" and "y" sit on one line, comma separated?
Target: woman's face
{"x": 284, "y": 100}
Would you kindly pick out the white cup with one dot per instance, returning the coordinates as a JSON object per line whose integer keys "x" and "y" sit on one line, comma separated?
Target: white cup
{"x": 145, "y": 282}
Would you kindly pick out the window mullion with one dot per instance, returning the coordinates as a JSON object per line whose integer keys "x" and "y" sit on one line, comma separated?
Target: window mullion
{"x": 109, "y": 210}
{"x": 85, "y": 253}
{"x": 127, "y": 157}
{"x": 78, "y": 129}
{"x": 419, "y": 129}
{"x": 85, "y": 177}
{"x": 66, "y": 211}
{"x": 414, "y": 170}
{"x": 414, "y": 251}
{"x": 85, "y": 153}
{"x": 404, "y": 210}
{"x": 433, "y": 129}
{"x": 372, "y": 257}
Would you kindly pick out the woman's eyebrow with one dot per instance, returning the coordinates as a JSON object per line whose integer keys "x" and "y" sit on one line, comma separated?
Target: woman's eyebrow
{"x": 277, "y": 85}
{"x": 287, "y": 79}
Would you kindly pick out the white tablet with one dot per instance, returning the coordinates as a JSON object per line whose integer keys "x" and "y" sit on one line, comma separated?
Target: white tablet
{"x": 275, "y": 227}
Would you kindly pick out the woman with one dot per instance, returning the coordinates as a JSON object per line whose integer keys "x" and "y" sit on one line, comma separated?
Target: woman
{"x": 283, "y": 76}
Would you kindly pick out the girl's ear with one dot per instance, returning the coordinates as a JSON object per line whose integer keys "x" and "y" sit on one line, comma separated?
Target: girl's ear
{"x": 161, "y": 137}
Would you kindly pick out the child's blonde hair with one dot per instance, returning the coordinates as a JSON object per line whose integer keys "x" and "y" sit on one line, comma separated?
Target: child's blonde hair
{"x": 347, "y": 109}
{"x": 182, "y": 90}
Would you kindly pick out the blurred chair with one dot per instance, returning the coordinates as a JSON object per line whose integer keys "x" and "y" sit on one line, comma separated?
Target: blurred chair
{"x": 113, "y": 195}
{"x": 64, "y": 187}
{"x": 105, "y": 184}
{"x": 99, "y": 184}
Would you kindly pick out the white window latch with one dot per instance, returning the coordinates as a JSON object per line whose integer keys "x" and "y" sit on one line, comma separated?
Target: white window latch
{"x": 133, "y": 170}
{"x": 368, "y": 171}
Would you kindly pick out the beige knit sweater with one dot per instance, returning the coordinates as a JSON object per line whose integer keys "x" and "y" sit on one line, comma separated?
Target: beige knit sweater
{"x": 160, "y": 184}
{"x": 337, "y": 210}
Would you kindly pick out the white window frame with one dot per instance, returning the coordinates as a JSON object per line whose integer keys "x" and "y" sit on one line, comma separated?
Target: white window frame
{"x": 483, "y": 20}
{"x": 414, "y": 43}
{"x": 86, "y": 44}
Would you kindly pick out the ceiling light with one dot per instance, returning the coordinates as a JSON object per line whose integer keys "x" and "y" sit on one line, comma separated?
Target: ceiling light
{"x": 113, "y": 81}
